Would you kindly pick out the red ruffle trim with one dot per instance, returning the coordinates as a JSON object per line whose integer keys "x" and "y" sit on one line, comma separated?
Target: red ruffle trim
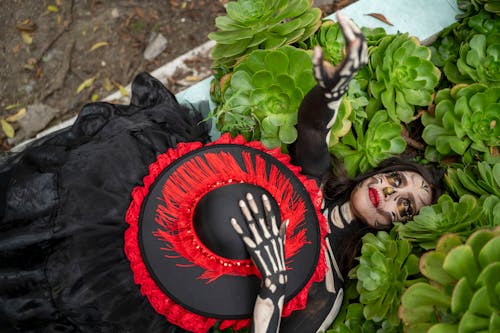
{"x": 175, "y": 313}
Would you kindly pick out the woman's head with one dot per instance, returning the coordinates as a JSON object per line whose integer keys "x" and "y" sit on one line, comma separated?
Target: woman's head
{"x": 385, "y": 198}
{"x": 396, "y": 190}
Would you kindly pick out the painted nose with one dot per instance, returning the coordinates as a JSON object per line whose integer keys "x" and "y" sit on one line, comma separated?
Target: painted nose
{"x": 388, "y": 191}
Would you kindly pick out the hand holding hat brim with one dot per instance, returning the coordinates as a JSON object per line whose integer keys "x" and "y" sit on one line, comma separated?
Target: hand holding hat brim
{"x": 264, "y": 242}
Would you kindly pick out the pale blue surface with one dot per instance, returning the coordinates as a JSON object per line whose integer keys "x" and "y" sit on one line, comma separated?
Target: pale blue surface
{"x": 420, "y": 18}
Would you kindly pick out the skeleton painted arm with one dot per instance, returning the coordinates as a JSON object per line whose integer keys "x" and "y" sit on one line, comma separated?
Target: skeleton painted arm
{"x": 265, "y": 244}
{"x": 318, "y": 110}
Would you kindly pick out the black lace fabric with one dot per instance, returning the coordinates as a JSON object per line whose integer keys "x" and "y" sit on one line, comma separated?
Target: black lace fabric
{"x": 62, "y": 207}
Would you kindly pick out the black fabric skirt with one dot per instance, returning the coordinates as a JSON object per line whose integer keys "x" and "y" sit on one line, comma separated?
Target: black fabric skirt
{"x": 62, "y": 207}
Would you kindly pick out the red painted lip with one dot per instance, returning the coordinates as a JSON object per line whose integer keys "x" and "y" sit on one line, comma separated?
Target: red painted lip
{"x": 374, "y": 198}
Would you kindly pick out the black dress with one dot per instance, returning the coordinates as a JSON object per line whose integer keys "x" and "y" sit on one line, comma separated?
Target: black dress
{"x": 62, "y": 208}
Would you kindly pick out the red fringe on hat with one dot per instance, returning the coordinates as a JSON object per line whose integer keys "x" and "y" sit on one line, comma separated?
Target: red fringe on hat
{"x": 182, "y": 191}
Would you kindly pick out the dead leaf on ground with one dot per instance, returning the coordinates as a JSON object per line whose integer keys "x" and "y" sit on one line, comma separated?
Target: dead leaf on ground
{"x": 39, "y": 72}
{"x": 27, "y": 39}
{"x": 16, "y": 116}
{"x": 98, "y": 45}
{"x": 7, "y": 128}
{"x": 108, "y": 85}
{"x": 380, "y": 17}
{"x": 16, "y": 49}
{"x": 122, "y": 89}
{"x": 52, "y": 8}
{"x": 26, "y": 25}
{"x": 11, "y": 106}
{"x": 139, "y": 12}
{"x": 31, "y": 64}
{"x": 192, "y": 78}
{"x": 85, "y": 84}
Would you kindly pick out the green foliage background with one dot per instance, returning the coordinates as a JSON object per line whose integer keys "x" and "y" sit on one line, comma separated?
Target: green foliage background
{"x": 446, "y": 95}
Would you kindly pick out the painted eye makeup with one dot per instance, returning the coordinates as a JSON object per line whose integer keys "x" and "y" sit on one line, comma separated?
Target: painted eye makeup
{"x": 394, "y": 179}
{"x": 406, "y": 209}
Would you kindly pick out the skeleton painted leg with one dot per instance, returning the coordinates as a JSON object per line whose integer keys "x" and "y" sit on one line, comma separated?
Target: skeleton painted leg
{"x": 265, "y": 244}
{"x": 318, "y": 110}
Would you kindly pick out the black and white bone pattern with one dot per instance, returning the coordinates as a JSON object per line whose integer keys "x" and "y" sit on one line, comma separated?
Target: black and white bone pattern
{"x": 335, "y": 80}
{"x": 265, "y": 244}
{"x": 319, "y": 109}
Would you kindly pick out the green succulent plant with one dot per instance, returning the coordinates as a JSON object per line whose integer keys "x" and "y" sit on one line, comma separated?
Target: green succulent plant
{"x": 470, "y": 7}
{"x": 354, "y": 322}
{"x": 385, "y": 266}
{"x": 446, "y": 215}
{"x": 462, "y": 293}
{"x": 369, "y": 143}
{"x": 260, "y": 24}
{"x": 402, "y": 76}
{"x": 466, "y": 122}
{"x": 329, "y": 36}
{"x": 261, "y": 98}
{"x": 483, "y": 23}
{"x": 479, "y": 59}
{"x": 477, "y": 179}
{"x": 465, "y": 56}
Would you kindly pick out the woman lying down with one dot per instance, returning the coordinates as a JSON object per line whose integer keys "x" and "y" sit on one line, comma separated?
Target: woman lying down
{"x": 132, "y": 221}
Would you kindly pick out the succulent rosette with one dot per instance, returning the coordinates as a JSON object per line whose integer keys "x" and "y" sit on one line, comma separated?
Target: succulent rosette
{"x": 261, "y": 98}
{"x": 369, "y": 143}
{"x": 385, "y": 266}
{"x": 480, "y": 59}
{"x": 402, "y": 76}
{"x": 477, "y": 179}
{"x": 462, "y": 293}
{"x": 471, "y": 6}
{"x": 466, "y": 122}
{"x": 261, "y": 24}
{"x": 467, "y": 51}
{"x": 329, "y": 36}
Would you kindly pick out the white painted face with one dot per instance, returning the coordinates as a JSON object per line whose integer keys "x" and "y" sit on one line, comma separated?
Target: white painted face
{"x": 385, "y": 198}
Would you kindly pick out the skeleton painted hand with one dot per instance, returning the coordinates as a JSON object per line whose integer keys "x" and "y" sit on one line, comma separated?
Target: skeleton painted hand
{"x": 336, "y": 79}
{"x": 265, "y": 244}
{"x": 319, "y": 109}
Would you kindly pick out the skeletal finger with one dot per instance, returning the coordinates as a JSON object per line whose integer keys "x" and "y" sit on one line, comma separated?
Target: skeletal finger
{"x": 319, "y": 69}
{"x": 256, "y": 235}
{"x": 245, "y": 211}
{"x": 347, "y": 28}
{"x": 282, "y": 240}
{"x": 264, "y": 228}
{"x": 269, "y": 214}
{"x": 247, "y": 240}
{"x": 236, "y": 226}
{"x": 252, "y": 203}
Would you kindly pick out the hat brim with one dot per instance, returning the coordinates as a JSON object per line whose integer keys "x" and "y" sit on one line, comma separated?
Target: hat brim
{"x": 169, "y": 264}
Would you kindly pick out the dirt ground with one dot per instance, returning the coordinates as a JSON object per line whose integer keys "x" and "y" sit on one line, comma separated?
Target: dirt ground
{"x": 65, "y": 53}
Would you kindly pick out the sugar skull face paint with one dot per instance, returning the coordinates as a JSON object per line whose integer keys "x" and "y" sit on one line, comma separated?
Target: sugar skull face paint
{"x": 389, "y": 197}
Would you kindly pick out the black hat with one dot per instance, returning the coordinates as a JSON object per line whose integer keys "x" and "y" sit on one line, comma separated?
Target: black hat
{"x": 183, "y": 251}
